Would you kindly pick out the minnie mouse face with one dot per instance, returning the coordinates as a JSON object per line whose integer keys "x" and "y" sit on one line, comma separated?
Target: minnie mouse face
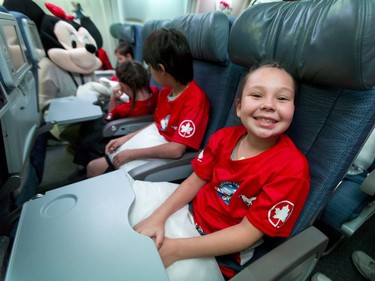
{"x": 75, "y": 49}
{"x": 69, "y": 45}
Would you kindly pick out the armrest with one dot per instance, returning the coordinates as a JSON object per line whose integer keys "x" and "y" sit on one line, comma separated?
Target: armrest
{"x": 126, "y": 126}
{"x": 165, "y": 169}
{"x": 368, "y": 185}
{"x": 103, "y": 73}
{"x": 295, "y": 258}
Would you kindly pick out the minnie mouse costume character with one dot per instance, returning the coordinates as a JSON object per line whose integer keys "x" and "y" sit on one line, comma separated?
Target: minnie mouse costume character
{"x": 71, "y": 50}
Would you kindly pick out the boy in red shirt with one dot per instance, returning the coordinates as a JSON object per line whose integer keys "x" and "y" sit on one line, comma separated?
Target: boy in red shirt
{"x": 182, "y": 112}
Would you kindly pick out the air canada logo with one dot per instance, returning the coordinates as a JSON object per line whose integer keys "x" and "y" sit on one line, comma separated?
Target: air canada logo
{"x": 186, "y": 129}
{"x": 280, "y": 213}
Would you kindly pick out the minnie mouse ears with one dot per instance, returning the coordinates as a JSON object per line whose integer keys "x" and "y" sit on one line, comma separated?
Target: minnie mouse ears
{"x": 44, "y": 22}
{"x": 85, "y": 22}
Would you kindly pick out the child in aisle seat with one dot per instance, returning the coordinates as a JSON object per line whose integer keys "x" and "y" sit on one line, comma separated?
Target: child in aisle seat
{"x": 141, "y": 99}
{"x": 182, "y": 112}
{"x": 249, "y": 181}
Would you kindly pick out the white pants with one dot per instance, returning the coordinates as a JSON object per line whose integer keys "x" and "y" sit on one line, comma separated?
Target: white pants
{"x": 148, "y": 137}
{"x": 149, "y": 196}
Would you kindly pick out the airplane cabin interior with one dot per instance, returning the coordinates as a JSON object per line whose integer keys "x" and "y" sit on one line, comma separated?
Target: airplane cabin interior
{"x": 57, "y": 227}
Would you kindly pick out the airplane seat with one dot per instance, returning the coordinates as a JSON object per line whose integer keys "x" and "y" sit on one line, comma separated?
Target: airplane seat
{"x": 327, "y": 47}
{"x": 207, "y": 35}
{"x": 353, "y": 201}
{"x": 131, "y": 34}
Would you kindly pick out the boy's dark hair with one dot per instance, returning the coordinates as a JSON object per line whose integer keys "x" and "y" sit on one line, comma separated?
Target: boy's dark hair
{"x": 124, "y": 49}
{"x": 170, "y": 48}
{"x": 135, "y": 75}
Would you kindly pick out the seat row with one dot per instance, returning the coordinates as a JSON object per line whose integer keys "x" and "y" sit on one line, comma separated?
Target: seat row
{"x": 327, "y": 47}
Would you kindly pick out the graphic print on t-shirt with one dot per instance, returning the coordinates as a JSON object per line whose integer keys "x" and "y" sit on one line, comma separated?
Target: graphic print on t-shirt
{"x": 226, "y": 190}
{"x": 164, "y": 122}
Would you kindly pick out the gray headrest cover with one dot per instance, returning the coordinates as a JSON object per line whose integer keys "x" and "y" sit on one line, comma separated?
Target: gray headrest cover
{"x": 152, "y": 25}
{"x": 207, "y": 34}
{"x": 126, "y": 33}
{"x": 330, "y": 42}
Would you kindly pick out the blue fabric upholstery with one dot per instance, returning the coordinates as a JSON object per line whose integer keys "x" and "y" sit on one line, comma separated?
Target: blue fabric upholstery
{"x": 131, "y": 34}
{"x": 207, "y": 34}
{"x": 320, "y": 42}
{"x": 328, "y": 47}
{"x": 347, "y": 202}
{"x": 151, "y": 25}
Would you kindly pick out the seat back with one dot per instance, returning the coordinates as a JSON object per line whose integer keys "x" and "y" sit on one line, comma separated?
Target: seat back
{"x": 328, "y": 47}
{"x": 131, "y": 34}
{"x": 352, "y": 204}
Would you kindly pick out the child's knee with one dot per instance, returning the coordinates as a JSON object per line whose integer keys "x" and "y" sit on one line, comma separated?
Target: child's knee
{"x": 93, "y": 168}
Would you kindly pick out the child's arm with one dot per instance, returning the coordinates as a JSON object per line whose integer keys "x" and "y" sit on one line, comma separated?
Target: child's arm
{"x": 153, "y": 226}
{"x": 171, "y": 150}
{"x": 226, "y": 241}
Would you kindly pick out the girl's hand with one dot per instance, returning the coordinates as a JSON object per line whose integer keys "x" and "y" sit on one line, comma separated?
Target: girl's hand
{"x": 152, "y": 227}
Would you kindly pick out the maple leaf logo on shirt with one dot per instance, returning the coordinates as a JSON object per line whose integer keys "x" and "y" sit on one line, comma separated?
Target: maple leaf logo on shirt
{"x": 280, "y": 213}
{"x": 186, "y": 129}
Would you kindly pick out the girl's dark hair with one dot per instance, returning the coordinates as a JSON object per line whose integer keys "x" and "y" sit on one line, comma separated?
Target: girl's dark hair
{"x": 124, "y": 49}
{"x": 135, "y": 75}
{"x": 264, "y": 64}
{"x": 170, "y": 48}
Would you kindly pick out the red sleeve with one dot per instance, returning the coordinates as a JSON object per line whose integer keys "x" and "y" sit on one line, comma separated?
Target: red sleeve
{"x": 193, "y": 120}
{"x": 205, "y": 162}
{"x": 276, "y": 209}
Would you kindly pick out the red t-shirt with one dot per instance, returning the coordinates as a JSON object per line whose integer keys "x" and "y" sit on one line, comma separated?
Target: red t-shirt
{"x": 184, "y": 119}
{"x": 141, "y": 108}
{"x": 270, "y": 189}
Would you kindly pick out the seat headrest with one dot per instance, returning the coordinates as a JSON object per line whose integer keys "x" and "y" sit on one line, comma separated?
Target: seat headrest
{"x": 207, "y": 34}
{"x": 328, "y": 42}
{"x": 113, "y": 29}
{"x": 152, "y": 25}
{"x": 126, "y": 33}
